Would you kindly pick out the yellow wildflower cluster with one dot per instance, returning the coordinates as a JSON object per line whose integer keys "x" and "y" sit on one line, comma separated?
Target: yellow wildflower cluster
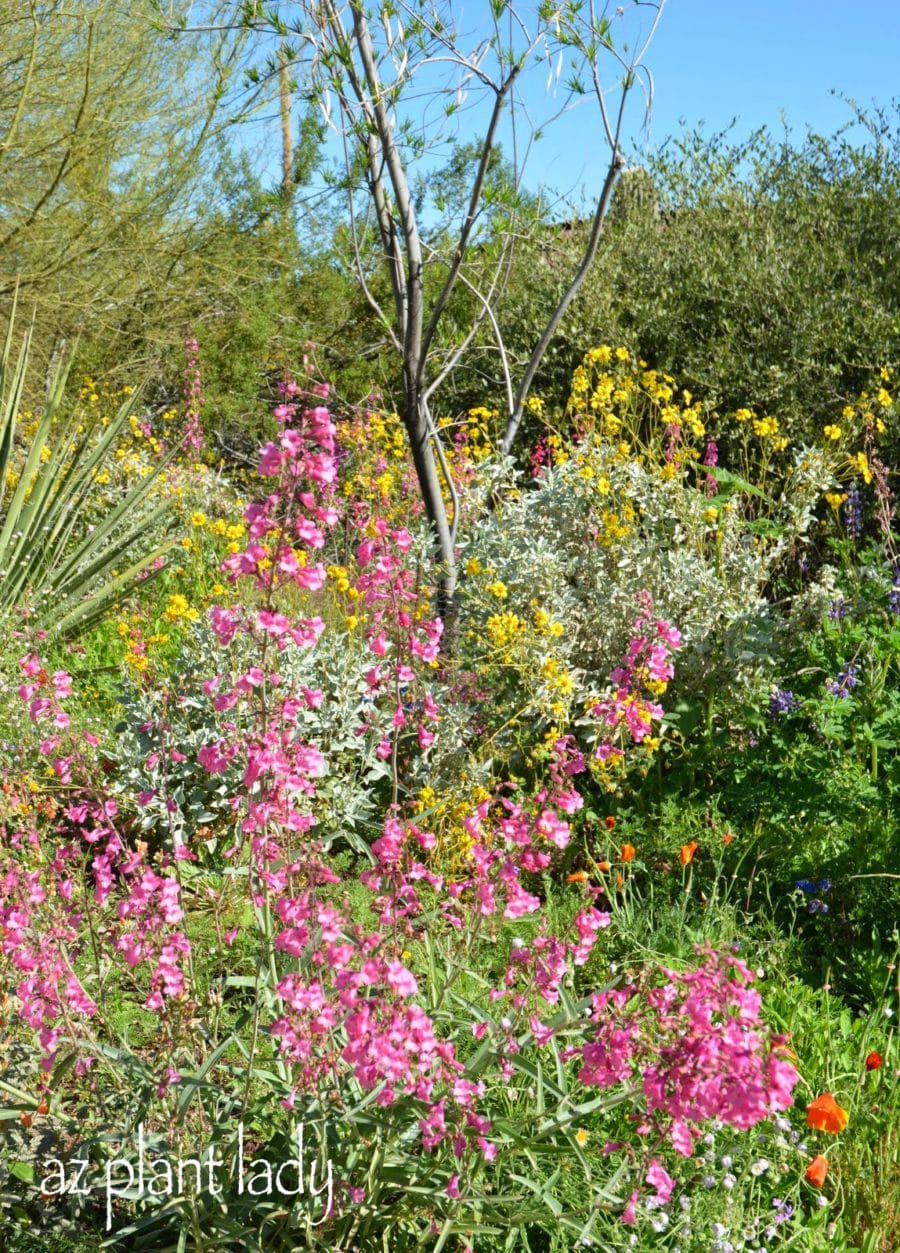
{"x": 544, "y": 625}
{"x": 478, "y": 443}
{"x": 178, "y": 609}
{"x": 503, "y": 628}
{"x": 859, "y": 464}
{"x": 864, "y": 420}
{"x": 614, "y": 396}
{"x": 615, "y": 526}
{"x": 765, "y": 427}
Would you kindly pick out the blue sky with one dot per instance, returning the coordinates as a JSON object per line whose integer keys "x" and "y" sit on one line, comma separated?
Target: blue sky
{"x": 714, "y": 60}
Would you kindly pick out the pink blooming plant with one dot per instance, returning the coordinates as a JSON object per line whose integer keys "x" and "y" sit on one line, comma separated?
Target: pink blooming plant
{"x": 346, "y": 1000}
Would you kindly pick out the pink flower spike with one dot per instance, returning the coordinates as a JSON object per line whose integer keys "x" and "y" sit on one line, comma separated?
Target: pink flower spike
{"x": 629, "y": 1213}
{"x": 659, "y": 1178}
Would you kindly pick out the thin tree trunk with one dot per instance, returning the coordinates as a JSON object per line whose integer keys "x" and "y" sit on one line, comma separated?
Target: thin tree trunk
{"x": 287, "y": 135}
{"x": 418, "y": 430}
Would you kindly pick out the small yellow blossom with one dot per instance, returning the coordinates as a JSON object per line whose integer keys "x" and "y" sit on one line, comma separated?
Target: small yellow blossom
{"x": 765, "y": 426}
{"x": 833, "y": 432}
{"x": 497, "y": 588}
{"x": 860, "y": 463}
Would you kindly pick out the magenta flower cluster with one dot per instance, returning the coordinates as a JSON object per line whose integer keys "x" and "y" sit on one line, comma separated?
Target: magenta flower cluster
{"x": 349, "y": 1009}
{"x": 694, "y": 1044}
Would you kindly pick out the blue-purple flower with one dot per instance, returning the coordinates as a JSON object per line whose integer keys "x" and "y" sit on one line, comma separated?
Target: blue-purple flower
{"x": 782, "y": 702}
{"x": 853, "y": 513}
{"x": 845, "y": 681}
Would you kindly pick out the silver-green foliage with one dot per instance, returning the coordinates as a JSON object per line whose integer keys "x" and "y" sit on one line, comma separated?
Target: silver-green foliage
{"x": 552, "y": 548}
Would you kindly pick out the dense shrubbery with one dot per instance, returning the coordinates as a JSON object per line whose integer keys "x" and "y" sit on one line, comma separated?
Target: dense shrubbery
{"x": 758, "y": 272}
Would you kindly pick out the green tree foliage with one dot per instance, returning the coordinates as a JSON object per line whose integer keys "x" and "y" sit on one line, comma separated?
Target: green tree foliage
{"x": 104, "y": 132}
{"x": 762, "y": 274}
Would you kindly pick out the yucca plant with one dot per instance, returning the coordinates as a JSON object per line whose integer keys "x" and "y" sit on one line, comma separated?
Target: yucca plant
{"x": 68, "y": 572}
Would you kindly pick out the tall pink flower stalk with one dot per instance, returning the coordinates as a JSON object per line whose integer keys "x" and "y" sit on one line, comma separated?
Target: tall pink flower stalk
{"x": 344, "y": 1003}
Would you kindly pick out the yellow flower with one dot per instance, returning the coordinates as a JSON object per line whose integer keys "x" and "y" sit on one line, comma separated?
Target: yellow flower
{"x": 178, "y": 607}
{"x": 765, "y": 426}
{"x": 582, "y": 1136}
{"x": 473, "y": 566}
{"x": 564, "y": 683}
{"x": 835, "y": 499}
{"x": 504, "y": 627}
{"x": 187, "y": 543}
{"x": 833, "y": 432}
{"x": 198, "y": 519}
{"x": 743, "y": 415}
{"x": 860, "y": 463}
{"x": 884, "y": 397}
{"x": 711, "y": 515}
{"x": 497, "y": 589}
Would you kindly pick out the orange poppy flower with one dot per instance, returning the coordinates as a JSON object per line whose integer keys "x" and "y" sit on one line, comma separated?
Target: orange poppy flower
{"x": 578, "y": 876}
{"x": 825, "y": 1114}
{"x": 628, "y": 852}
{"x": 610, "y": 822}
{"x": 25, "y": 1119}
{"x": 816, "y": 1171}
{"x": 727, "y": 837}
{"x": 603, "y": 865}
{"x": 620, "y": 883}
{"x": 874, "y": 1061}
{"x": 687, "y": 852}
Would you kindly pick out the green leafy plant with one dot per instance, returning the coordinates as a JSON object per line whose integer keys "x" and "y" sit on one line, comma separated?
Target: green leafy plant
{"x": 52, "y": 560}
